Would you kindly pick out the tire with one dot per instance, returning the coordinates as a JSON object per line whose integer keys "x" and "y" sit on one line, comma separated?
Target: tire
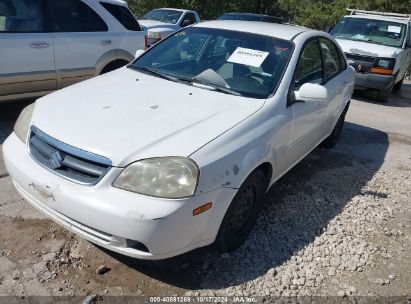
{"x": 331, "y": 141}
{"x": 242, "y": 214}
{"x": 384, "y": 95}
{"x": 114, "y": 65}
{"x": 398, "y": 85}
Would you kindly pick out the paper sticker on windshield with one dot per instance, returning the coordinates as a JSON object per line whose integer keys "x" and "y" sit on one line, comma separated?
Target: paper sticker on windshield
{"x": 394, "y": 29}
{"x": 248, "y": 57}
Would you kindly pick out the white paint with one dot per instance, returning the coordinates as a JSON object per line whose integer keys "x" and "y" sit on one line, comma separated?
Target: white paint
{"x": 402, "y": 54}
{"x": 127, "y": 120}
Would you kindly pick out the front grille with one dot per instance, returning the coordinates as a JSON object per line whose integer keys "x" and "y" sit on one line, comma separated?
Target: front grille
{"x": 65, "y": 160}
{"x": 361, "y": 58}
{"x": 361, "y": 64}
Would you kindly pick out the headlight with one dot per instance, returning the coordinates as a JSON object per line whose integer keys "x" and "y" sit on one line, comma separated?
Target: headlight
{"x": 388, "y": 63}
{"x": 21, "y": 128}
{"x": 384, "y": 66}
{"x": 154, "y": 35}
{"x": 166, "y": 177}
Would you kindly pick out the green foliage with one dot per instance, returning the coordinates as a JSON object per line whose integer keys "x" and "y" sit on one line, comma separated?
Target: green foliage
{"x": 310, "y": 13}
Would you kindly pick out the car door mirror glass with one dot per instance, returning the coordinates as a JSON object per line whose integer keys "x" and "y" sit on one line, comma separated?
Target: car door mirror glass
{"x": 312, "y": 92}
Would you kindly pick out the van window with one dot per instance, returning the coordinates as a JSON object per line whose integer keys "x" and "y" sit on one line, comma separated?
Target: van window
{"x": 376, "y": 31}
{"x": 75, "y": 16}
{"x": 28, "y": 17}
{"x": 123, "y": 15}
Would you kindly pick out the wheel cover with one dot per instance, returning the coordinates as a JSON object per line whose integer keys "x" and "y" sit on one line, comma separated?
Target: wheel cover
{"x": 243, "y": 209}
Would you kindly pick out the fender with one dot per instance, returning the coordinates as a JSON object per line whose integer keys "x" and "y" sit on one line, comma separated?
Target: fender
{"x": 110, "y": 56}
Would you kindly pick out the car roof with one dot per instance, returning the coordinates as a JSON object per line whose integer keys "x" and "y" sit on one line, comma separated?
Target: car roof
{"x": 286, "y": 32}
{"x": 380, "y": 17}
{"x": 248, "y": 14}
{"x": 118, "y": 2}
{"x": 174, "y": 9}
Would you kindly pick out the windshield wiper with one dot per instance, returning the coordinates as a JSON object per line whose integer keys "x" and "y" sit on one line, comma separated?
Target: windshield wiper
{"x": 216, "y": 88}
{"x": 155, "y": 73}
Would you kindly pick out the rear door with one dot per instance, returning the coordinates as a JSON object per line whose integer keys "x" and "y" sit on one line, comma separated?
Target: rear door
{"x": 128, "y": 34}
{"x": 80, "y": 39}
{"x": 336, "y": 81}
{"x": 26, "y": 49}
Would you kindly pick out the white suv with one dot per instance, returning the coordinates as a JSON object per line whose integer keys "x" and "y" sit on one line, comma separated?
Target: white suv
{"x": 50, "y": 44}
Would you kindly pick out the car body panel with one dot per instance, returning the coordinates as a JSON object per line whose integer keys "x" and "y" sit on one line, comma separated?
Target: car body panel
{"x": 161, "y": 126}
{"x": 128, "y": 115}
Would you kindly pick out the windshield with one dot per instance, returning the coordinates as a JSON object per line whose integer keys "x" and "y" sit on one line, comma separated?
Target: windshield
{"x": 370, "y": 30}
{"x": 248, "y": 64}
{"x": 167, "y": 16}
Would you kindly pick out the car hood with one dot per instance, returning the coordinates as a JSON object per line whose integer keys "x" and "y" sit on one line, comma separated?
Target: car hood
{"x": 152, "y": 24}
{"x": 366, "y": 49}
{"x": 126, "y": 116}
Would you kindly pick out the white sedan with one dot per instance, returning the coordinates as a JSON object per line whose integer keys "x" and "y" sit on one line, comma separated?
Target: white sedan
{"x": 177, "y": 150}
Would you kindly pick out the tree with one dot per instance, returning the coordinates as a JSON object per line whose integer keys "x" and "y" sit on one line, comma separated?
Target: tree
{"x": 311, "y": 13}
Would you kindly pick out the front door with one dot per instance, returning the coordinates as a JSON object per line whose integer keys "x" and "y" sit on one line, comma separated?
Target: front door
{"x": 26, "y": 52}
{"x": 306, "y": 116}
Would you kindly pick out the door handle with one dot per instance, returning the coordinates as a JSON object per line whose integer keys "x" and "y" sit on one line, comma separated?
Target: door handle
{"x": 106, "y": 42}
{"x": 39, "y": 45}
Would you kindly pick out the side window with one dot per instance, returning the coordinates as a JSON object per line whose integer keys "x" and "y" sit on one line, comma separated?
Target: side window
{"x": 123, "y": 15}
{"x": 309, "y": 67}
{"x": 27, "y": 17}
{"x": 189, "y": 19}
{"x": 330, "y": 57}
{"x": 76, "y": 16}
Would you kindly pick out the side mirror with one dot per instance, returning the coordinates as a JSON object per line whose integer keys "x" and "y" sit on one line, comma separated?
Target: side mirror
{"x": 408, "y": 44}
{"x": 311, "y": 92}
{"x": 138, "y": 53}
{"x": 186, "y": 23}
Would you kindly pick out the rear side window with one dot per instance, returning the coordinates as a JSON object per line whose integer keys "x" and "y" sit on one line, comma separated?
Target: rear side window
{"x": 26, "y": 16}
{"x": 189, "y": 18}
{"x": 123, "y": 15}
{"x": 331, "y": 58}
{"x": 76, "y": 16}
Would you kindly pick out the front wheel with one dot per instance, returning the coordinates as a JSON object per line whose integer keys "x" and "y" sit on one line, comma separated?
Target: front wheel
{"x": 241, "y": 216}
{"x": 384, "y": 95}
{"x": 398, "y": 85}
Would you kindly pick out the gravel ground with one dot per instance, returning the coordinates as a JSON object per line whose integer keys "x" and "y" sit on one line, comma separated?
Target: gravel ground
{"x": 338, "y": 224}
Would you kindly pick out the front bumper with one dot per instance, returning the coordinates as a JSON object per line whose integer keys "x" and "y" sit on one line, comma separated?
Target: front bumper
{"x": 374, "y": 81}
{"x": 111, "y": 217}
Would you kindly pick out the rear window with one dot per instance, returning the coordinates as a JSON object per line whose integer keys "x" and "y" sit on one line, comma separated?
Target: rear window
{"x": 123, "y": 15}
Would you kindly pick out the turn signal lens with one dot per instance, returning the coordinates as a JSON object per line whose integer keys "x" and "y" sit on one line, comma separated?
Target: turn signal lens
{"x": 382, "y": 71}
{"x": 202, "y": 209}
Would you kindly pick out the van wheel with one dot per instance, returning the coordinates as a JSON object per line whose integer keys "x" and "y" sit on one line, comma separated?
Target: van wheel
{"x": 398, "y": 85}
{"x": 384, "y": 95}
{"x": 114, "y": 65}
{"x": 332, "y": 140}
{"x": 241, "y": 216}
